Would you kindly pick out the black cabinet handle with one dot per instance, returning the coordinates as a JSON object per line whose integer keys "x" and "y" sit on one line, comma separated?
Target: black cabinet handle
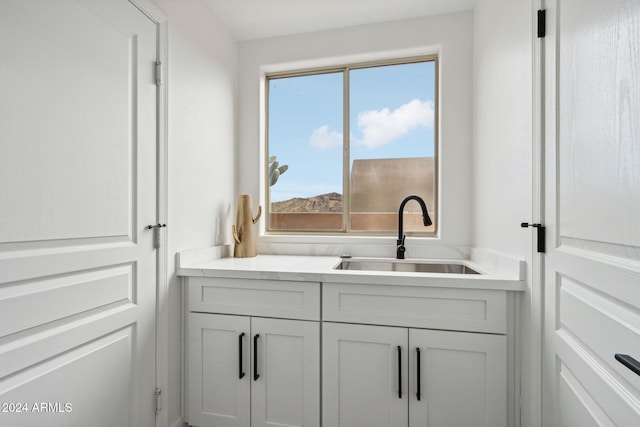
{"x": 240, "y": 370}
{"x": 418, "y": 371}
{"x": 255, "y": 357}
{"x": 629, "y": 362}
{"x": 399, "y": 372}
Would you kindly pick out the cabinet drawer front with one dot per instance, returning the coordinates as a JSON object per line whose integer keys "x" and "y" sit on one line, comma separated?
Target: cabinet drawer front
{"x": 268, "y": 298}
{"x": 436, "y": 308}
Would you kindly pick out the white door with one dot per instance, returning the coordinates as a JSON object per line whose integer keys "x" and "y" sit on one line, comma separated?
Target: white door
{"x": 457, "y": 379}
{"x": 364, "y": 376}
{"x": 77, "y": 188}
{"x": 286, "y": 389}
{"x": 219, "y": 372}
{"x": 592, "y": 194}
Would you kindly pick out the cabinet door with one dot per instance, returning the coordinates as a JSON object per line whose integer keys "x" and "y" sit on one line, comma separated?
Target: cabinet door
{"x": 364, "y": 376}
{"x": 286, "y": 389}
{"x": 463, "y": 379}
{"x": 217, "y": 396}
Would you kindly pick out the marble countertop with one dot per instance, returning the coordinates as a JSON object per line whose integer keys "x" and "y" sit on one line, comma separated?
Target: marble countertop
{"x": 321, "y": 269}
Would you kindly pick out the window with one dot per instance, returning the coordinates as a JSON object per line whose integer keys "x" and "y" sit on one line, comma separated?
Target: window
{"x": 321, "y": 178}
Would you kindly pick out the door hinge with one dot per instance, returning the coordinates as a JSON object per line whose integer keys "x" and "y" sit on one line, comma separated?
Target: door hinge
{"x": 541, "y": 235}
{"x": 156, "y": 234}
{"x": 158, "y": 400}
{"x": 158, "y": 73}
{"x": 542, "y": 23}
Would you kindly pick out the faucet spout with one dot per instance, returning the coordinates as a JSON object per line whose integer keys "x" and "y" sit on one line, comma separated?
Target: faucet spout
{"x": 400, "y": 249}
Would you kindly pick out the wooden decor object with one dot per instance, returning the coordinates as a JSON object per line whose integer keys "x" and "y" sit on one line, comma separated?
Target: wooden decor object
{"x": 244, "y": 232}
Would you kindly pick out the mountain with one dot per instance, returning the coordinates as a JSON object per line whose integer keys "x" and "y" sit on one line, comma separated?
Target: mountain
{"x": 331, "y": 202}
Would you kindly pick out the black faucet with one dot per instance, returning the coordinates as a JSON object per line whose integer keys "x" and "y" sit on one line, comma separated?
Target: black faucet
{"x": 425, "y": 218}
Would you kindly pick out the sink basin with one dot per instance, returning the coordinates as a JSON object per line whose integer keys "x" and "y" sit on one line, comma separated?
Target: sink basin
{"x": 405, "y": 266}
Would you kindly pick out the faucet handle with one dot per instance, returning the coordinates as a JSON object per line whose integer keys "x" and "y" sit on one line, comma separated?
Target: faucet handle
{"x": 400, "y": 252}
{"x": 400, "y": 249}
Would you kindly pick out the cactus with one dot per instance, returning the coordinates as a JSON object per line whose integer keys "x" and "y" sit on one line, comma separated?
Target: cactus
{"x": 275, "y": 170}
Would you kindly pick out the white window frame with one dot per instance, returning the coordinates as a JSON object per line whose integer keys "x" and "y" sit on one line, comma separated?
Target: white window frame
{"x": 346, "y": 183}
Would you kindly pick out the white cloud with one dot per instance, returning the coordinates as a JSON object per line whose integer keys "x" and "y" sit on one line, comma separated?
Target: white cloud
{"x": 380, "y": 127}
{"x": 324, "y": 139}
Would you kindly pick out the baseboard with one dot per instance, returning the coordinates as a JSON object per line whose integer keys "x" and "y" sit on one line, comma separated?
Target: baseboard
{"x": 179, "y": 423}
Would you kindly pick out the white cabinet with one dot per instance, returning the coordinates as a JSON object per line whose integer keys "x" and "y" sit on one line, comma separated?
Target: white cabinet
{"x": 252, "y": 371}
{"x": 392, "y": 356}
{"x": 379, "y": 376}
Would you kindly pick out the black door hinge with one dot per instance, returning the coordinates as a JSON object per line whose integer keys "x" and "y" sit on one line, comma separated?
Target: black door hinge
{"x": 542, "y": 23}
{"x": 541, "y": 235}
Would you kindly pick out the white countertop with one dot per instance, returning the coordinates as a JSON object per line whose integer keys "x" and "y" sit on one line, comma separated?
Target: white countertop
{"x": 321, "y": 269}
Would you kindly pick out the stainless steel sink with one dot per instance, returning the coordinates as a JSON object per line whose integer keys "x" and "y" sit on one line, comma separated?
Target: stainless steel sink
{"x": 406, "y": 266}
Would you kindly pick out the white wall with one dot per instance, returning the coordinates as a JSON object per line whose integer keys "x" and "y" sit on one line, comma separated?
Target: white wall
{"x": 450, "y": 37}
{"x": 483, "y": 199}
{"x": 502, "y": 125}
{"x": 201, "y": 135}
{"x": 502, "y": 146}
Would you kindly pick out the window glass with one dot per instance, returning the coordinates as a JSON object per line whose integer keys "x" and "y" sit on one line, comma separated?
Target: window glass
{"x": 392, "y": 145}
{"x": 305, "y": 152}
{"x": 320, "y": 180}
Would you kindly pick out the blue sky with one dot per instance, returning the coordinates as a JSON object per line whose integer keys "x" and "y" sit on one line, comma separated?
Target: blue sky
{"x": 391, "y": 116}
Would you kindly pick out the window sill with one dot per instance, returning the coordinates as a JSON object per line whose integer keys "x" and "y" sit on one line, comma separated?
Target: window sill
{"x": 361, "y": 246}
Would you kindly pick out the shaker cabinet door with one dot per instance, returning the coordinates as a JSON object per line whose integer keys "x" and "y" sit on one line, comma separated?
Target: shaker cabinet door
{"x": 457, "y": 379}
{"x": 219, "y": 393}
{"x": 364, "y": 375}
{"x": 285, "y": 385}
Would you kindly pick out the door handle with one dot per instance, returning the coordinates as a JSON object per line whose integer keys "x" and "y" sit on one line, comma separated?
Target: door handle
{"x": 240, "y": 370}
{"x": 255, "y": 357}
{"x": 629, "y": 362}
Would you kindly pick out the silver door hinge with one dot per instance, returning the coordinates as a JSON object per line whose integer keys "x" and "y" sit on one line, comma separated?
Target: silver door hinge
{"x": 156, "y": 234}
{"x": 158, "y": 73}
{"x": 158, "y": 400}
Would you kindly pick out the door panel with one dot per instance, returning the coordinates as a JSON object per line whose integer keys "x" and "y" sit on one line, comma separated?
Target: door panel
{"x": 598, "y": 102}
{"x": 458, "y": 370}
{"x": 45, "y": 300}
{"x": 77, "y": 188}
{"x": 360, "y": 376}
{"x": 217, "y": 395}
{"x": 287, "y": 392}
{"x": 579, "y": 405}
{"x": 592, "y": 200}
{"x": 64, "y": 398}
{"x": 70, "y": 112}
